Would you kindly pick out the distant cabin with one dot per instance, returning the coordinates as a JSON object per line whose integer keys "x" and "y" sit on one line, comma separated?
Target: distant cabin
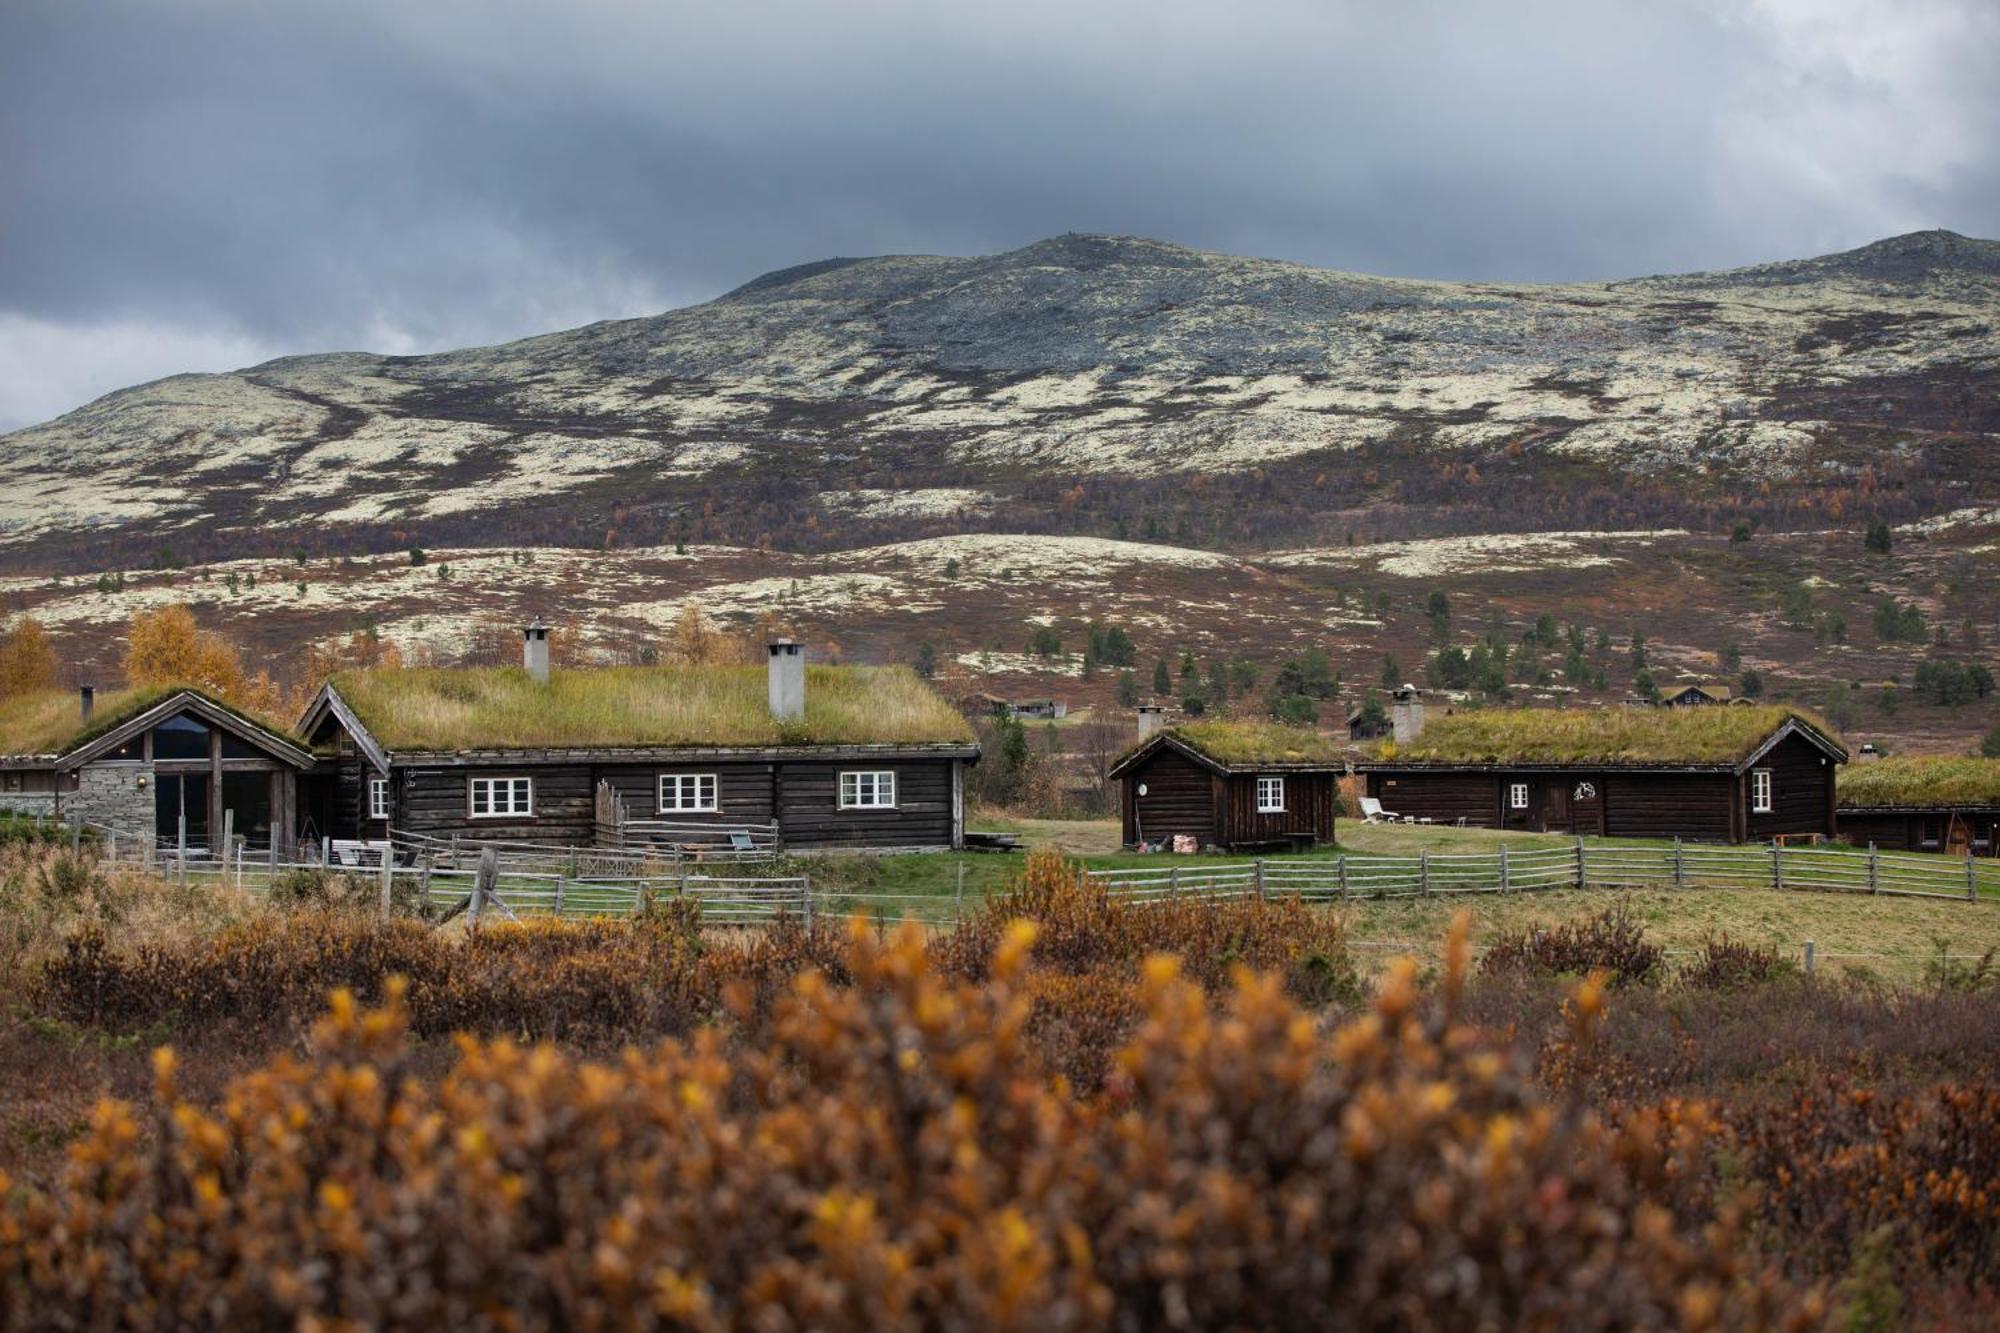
{"x": 1739, "y": 774}
{"x": 1923, "y": 804}
{"x": 175, "y": 765}
{"x": 1230, "y": 785}
{"x": 1699, "y": 696}
{"x": 813, "y": 758}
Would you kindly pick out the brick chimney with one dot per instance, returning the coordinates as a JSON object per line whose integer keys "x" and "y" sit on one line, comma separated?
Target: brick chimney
{"x": 535, "y": 649}
{"x": 787, "y": 679}
{"x": 1406, "y": 713}
{"x": 1151, "y": 718}
{"x": 86, "y": 701}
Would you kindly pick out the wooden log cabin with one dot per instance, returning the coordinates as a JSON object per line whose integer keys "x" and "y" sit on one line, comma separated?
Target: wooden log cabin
{"x": 1739, "y": 774}
{"x": 1922, "y": 804}
{"x": 820, "y": 757}
{"x": 1230, "y": 785}
{"x": 172, "y": 764}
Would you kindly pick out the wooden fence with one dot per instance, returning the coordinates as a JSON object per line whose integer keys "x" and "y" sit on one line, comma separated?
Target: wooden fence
{"x": 1342, "y": 877}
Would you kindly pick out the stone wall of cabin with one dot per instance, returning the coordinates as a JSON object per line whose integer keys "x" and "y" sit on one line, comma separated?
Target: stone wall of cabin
{"x": 110, "y": 795}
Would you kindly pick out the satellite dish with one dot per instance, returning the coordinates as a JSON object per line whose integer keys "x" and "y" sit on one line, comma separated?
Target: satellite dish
{"x": 1142, "y": 789}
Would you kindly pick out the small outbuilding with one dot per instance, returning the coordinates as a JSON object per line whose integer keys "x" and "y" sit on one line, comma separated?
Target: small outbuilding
{"x": 172, "y": 764}
{"x": 1238, "y": 786}
{"x": 1739, "y": 774}
{"x": 1923, "y": 804}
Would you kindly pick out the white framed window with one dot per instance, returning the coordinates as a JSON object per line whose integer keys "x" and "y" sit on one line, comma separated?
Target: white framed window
{"x": 378, "y": 798}
{"x": 500, "y": 798}
{"x": 1760, "y": 791}
{"x": 688, "y": 793}
{"x": 1270, "y": 796}
{"x": 1517, "y": 796}
{"x": 868, "y": 789}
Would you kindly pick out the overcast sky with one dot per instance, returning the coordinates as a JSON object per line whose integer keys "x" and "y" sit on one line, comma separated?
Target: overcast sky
{"x": 202, "y": 184}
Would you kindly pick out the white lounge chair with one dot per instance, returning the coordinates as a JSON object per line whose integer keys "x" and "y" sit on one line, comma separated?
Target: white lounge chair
{"x": 1373, "y": 813}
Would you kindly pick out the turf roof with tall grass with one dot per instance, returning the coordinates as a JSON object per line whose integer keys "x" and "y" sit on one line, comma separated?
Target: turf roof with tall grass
{"x": 504, "y": 708}
{"x": 48, "y": 723}
{"x": 1237, "y": 744}
{"x": 1918, "y": 782}
{"x": 1663, "y": 737}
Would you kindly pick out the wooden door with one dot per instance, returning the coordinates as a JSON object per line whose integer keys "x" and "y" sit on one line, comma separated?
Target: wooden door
{"x": 1555, "y": 806}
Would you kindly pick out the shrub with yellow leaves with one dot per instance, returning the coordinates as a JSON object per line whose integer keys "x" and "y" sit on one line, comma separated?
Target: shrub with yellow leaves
{"x": 888, "y": 1149}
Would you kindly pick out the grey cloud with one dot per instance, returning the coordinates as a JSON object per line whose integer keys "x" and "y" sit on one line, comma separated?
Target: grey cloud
{"x": 401, "y": 177}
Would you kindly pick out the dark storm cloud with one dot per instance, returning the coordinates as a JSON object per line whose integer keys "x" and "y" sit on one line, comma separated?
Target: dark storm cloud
{"x": 200, "y": 184}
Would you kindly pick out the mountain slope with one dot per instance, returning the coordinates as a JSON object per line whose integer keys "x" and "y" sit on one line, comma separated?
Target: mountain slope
{"x": 1102, "y": 385}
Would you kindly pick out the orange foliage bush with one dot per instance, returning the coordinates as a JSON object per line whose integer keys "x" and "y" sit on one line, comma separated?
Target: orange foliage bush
{"x": 892, "y": 1153}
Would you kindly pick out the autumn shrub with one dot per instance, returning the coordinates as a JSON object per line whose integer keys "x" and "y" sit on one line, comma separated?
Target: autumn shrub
{"x": 1610, "y": 941}
{"x": 1722, "y": 963}
{"x": 893, "y": 1153}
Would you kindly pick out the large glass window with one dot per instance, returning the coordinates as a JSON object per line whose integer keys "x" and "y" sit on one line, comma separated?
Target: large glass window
{"x": 180, "y": 738}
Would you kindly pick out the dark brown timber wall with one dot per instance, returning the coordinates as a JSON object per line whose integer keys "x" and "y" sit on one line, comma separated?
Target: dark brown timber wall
{"x": 1310, "y": 802}
{"x": 1180, "y": 799}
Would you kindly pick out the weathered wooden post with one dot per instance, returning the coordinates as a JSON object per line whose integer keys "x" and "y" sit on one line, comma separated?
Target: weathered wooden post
{"x": 1812, "y": 951}
{"x": 1777, "y": 865}
{"x": 326, "y": 851}
{"x": 424, "y": 885}
{"x": 146, "y": 850}
{"x": 1874, "y": 870}
{"x": 958, "y": 896}
{"x": 560, "y": 881}
{"x": 806, "y": 898}
{"x": 1503, "y": 867}
{"x": 1680, "y": 864}
{"x": 1971, "y": 877}
{"x": 483, "y": 880}
{"x": 388, "y": 882}
{"x": 1174, "y": 880}
{"x": 75, "y": 834}
{"x": 228, "y": 840}
{"x": 1581, "y": 866}
{"x": 1341, "y": 863}
{"x": 1258, "y": 877}
{"x": 1424, "y": 871}
{"x": 111, "y": 845}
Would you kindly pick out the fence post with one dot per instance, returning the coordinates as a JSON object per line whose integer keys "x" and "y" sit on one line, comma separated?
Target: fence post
{"x": 559, "y": 896}
{"x": 1174, "y": 880}
{"x": 1503, "y": 867}
{"x": 1971, "y": 876}
{"x": 75, "y": 834}
{"x": 1424, "y": 870}
{"x": 228, "y": 840}
{"x": 1811, "y": 950}
{"x": 483, "y": 880}
{"x": 236, "y": 851}
{"x": 1580, "y": 866}
{"x": 111, "y": 844}
{"x": 1777, "y": 865}
{"x": 1874, "y": 871}
{"x": 1680, "y": 864}
{"x": 1343, "y": 876}
{"x": 958, "y": 896}
{"x": 326, "y": 851}
{"x": 388, "y": 882}
{"x": 1260, "y": 878}
{"x": 806, "y": 896}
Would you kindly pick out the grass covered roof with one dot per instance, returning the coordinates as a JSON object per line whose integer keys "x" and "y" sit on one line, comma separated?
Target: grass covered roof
{"x": 504, "y": 708}
{"x": 49, "y": 722}
{"x": 1920, "y": 781}
{"x": 1668, "y": 737}
{"x": 1238, "y": 744}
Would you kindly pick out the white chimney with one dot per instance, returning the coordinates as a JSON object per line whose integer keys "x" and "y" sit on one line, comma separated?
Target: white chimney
{"x": 535, "y": 649}
{"x": 788, "y": 679}
{"x": 86, "y": 700}
{"x": 1151, "y": 718}
{"x": 1406, "y": 713}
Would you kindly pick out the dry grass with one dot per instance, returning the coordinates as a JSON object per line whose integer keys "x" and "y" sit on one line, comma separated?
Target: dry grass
{"x": 1896, "y": 938}
{"x": 504, "y": 708}
{"x": 48, "y": 722}
{"x": 1258, "y": 743}
{"x": 1921, "y": 781}
{"x": 1598, "y": 735}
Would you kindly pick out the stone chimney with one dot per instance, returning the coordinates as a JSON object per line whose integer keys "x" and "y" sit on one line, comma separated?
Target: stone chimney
{"x": 1151, "y": 718}
{"x": 1406, "y": 713}
{"x": 535, "y": 649}
{"x": 788, "y": 679}
{"x": 86, "y": 701}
